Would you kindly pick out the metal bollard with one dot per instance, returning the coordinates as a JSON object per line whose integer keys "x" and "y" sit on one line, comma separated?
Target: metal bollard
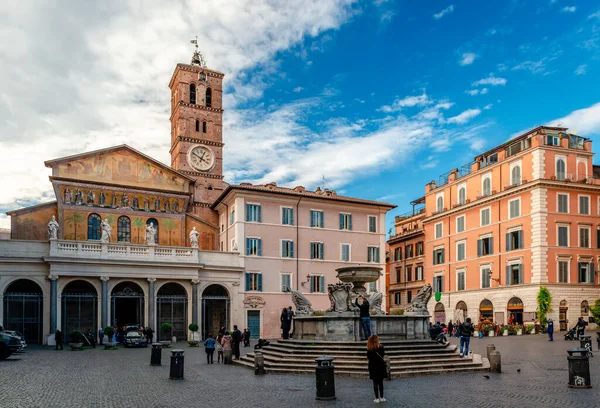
{"x": 388, "y": 367}
{"x": 259, "y": 363}
{"x": 495, "y": 362}
{"x": 156, "y": 354}
{"x": 176, "y": 372}
{"x": 490, "y": 348}
{"x": 325, "y": 378}
{"x": 586, "y": 343}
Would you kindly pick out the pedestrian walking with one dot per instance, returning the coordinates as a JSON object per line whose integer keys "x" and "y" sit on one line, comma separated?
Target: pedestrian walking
{"x": 291, "y": 316}
{"x": 246, "y": 337}
{"x": 149, "y": 335}
{"x": 450, "y": 328}
{"x": 227, "y": 348}
{"x": 101, "y": 336}
{"x": 58, "y": 337}
{"x": 236, "y": 337}
{"x": 466, "y": 331}
{"x": 365, "y": 316}
{"x": 219, "y": 348}
{"x": 209, "y": 347}
{"x": 285, "y": 324}
{"x": 580, "y": 327}
{"x": 550, "y": 330}
{"x": 377, "y": 367}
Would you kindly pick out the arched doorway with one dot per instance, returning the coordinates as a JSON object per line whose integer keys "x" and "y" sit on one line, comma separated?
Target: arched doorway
{"x": 460, "y": 313}
{"x": 171, "y": 307}
{"x": 79, "y": 307}
{"x": 562, "y": 315}
{"x": 486, "y": 310}
{"x": 23, "y": 309}
{"x": 127, "y": 304}
{"x": 215, "y": 309}
{"x": 439, "y": 313}
{"x": 515, "y": 308}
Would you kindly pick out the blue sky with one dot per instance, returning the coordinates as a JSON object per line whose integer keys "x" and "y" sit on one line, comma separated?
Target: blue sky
{"x": 378, "y": 97}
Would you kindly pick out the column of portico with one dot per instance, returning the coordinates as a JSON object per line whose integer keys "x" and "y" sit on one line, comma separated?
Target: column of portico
{"x": 53, "y": 302}
{"x": 195, "y": 283}
{"x": 152, "y": 306}
{"x": 104, "y": 313}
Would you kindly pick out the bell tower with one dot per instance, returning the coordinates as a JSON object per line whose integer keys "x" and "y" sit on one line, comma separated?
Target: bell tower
{"x": 197, "y": 131}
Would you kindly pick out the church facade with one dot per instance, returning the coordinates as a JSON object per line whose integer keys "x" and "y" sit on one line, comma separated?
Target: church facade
{"x": 140, "y": 242}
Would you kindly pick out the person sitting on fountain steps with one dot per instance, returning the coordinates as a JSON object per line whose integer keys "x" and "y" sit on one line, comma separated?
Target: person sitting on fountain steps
{"x": 365, "y": 316}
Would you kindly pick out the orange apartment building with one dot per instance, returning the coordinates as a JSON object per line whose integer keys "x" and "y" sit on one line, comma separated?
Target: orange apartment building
{"x": 523, "y": 215}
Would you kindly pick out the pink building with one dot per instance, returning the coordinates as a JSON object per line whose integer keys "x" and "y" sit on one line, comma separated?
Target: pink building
{"x": 295, "y": 239}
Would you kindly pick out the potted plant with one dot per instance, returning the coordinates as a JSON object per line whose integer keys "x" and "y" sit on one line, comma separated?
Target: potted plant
{"x": 109, "y": 332}
{"x": 195, "y": 337}
{"x": 76, "y": 337}
{"x": 166, "y": 329}
{"x": 530, "y": 329}
{"x": 488, "y": 329}
{"x": 519, "y": 329}
{"x": 505, "y": 330}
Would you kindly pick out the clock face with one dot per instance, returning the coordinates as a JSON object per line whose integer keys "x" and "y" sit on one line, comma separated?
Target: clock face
{"x": 201, "y": 158}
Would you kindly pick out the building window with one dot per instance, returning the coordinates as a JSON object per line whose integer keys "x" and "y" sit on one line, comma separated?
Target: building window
{"x": 197, "y": 125}
{"x": 584, "y": 205}
{"x": 552, "y": 140}
{"x": 487, "y": 186}
{"x": 316, "y": 219}
{"x": 460, "y": 280}
{"x": 584, "y": 237}
{"x": 514, "y": 208}
{"x": 232, "y": 217}
{"x": 317, "y": 284}
{"x": 485, "y": 246}
{"x": 585, "y": 272}
{"x": 419, "y": 273}
{"x": 154, "y": 223}
{"x": 409, "y": 296}
{"x": 287, "y": 248}
{"x": 485, "y": 216}
{"x": 438, "y": 283}
{"x": 287, "y": 216}
{"x": 419, "y": 248}
{"x": 253, "y": 246}
{"x": 397, "y": 298}
{"x": 460, "y": 251}
{"x": 316, "y": 250}
{"x": 208, "y": 97}
{"x": 409, "y": 273}
{"x": 192, "y": 94}
{"x": 585, "y": 308}
{"x": 253, "y": 213}
{"x": 373, "y": 254}
{"x": 398, "y": 275}
{"x": 440, "y": 204}
{"x": 514, "y": 240}
{"x": 438, "y": 256}
{"x": 398, "y": 253}
{"x": 514, "y": 274}
{"x": 346, "y": 252}
{"x": 460, "y": 224}
{"x": 462, "y": 195}
{"x": 408, "y": 250}
{"x": 563, "y": 235}
{"x": 286, "y": 282}
{"x": 346, "y": 221}
{"x": 439, "y": 230}
{"x": 372, "y": 223}
{"x": 253, "y": 282}
{"x": 124, "y": 229}
{"x": 563, "y": 272}
{"x": 486, "y": 277}
{"x": 560, "y": 169}
{"x": 515, "y": 175}
{"x": 203, "y": 127}
{"x": 563, "y": 203}
{"x": 94, "y": 228}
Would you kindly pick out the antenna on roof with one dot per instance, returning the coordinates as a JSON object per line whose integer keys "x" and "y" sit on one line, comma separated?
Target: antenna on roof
{"x": 323, "y": 181}
{"x": 559, "y": 124}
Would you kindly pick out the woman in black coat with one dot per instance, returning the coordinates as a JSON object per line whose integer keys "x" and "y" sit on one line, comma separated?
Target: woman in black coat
{"x": 377, "y": 367}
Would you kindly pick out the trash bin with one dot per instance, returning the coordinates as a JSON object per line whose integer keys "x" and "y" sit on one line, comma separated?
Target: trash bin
{"x": 579, "y": 368}
{"x": 325, "y": 378}
{"x": 156, "y": 354}
{"x": 585, "y": 342}
{"x": 176, "y": 372}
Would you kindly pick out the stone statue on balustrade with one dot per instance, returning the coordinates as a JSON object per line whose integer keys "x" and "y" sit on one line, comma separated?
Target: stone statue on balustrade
{"x": 102, "y": 201}
{"x": 68, "y": 196}
{"x": 91, "y": 197}
{"x": 194, "y": 238}
{"x": 419, "y": 302}
{"x": 340, "y": 297}
{"x": 303, "y": 305}
{"x": 78, "y": 197}
{"x": 106, "y": 231}
{"x": 53, "y": 228}
{"x": 150, "y": 234}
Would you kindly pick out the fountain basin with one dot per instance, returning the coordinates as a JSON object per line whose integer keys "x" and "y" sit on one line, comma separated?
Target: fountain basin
{"x": 359, "y": 274}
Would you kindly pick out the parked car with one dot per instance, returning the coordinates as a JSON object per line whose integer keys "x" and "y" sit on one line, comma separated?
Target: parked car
{"x": 135, "y": 339}
{"x": 8, "y": 345}
{"x": 19, "y": 336}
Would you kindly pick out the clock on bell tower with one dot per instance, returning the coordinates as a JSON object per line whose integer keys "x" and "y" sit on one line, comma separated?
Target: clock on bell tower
{"x": 197, "y": 131}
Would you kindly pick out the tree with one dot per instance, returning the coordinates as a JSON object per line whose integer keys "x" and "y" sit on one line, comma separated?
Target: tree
{"x": 74, "y": 219}
{"x": 138, "y": 223}
{"x": 595, "y": 311}
{"x": 169, "y": 225}
{"x": 544, "y": 299}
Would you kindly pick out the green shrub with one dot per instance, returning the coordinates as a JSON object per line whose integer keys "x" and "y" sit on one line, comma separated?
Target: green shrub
{"x": 544, "y": 299}
{"x": 109, "y": 331}
{"x": 595, "y": 311}
{"x": 75, "y": 336}
{"x": 193, "y": 327}
{"x": 166, "y": 327}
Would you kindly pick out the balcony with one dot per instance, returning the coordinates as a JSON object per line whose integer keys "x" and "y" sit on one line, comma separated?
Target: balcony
{"x": 508, "y": 186}
{"x": 482, "y": 194}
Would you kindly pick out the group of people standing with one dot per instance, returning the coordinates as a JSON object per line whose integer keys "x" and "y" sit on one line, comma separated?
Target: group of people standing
{"x": 286, "y": 318}
{"x": 226, "y": 344}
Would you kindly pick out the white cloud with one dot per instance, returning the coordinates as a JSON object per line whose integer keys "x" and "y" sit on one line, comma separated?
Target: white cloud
{"x": 535, "y": 67}
{"x": 581, "y": 70}
{"x": 445, "y": 11}
{"x": 464, "y": 117}
{"x": 569, "y": 9}
{"x": 407, "y": 102}
{"x": 298, "y": 89}
{"x": 467, "y": 58}
{"x": 474, "y": 92}
{"x": 491, "y": 80}
{"x": 488, "y": 106}
{"x": 595, "y": 15}
{"x": 584, "y": 121}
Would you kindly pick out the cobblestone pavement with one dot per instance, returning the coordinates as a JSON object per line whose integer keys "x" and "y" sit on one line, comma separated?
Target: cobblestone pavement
{"x": 123, "y": 378}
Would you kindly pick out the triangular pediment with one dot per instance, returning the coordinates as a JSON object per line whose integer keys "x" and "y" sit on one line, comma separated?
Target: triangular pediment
{"x": 120, "y": 165}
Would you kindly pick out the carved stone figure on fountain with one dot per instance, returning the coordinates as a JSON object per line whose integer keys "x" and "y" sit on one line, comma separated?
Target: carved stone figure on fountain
{"x": 102, "y": 198}
{"x": 106, "y": 231}
{"x": 339, "y": 296}
{"x": 303, "y": 305}
{"x": 150, "y": 234}
{"x": 194, "y": 238}
{"x": 78, "y": 197}
{"x": 91, "y": 197}
{"x": 419, "y": 302}
{"x": 53, "y": 229}
{"x": 376, "y": 300}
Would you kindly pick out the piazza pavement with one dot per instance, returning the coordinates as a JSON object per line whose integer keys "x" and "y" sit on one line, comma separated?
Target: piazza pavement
{"x": 122, "y": 378}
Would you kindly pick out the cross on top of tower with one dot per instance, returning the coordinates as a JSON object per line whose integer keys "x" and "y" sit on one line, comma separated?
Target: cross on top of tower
{"x": 197, "y": 58}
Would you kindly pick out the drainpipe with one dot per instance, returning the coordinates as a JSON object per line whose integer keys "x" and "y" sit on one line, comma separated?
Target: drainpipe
{"x": 298, "y": 245}
{"x": 227, "y": 228}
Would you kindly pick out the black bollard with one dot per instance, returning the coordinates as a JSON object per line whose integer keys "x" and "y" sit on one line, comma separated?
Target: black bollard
{"x": 325, "y": 378}
{"x": 176, "y": 372}
{"x": 586, "y": 343}
{"x": 579, "y": 368}
{"x": 156, "y": 354}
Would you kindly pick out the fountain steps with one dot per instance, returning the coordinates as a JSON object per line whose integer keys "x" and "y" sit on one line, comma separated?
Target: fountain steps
{"x": 359, "y": 356}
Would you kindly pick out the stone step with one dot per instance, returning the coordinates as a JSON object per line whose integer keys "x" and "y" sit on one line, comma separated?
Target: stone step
{"x": 351, "y": 343}
{"x": 360, "y": 365}
{"x": 340, "y": 362}
{"x": 335, "y": 353}
{"x": 362, "y": 356}
{"x": 361, "y": 348}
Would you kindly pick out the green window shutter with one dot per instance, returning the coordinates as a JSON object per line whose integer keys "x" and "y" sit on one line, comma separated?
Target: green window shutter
{"x": 521, "y": 243}
{"x": 247, "y": 246}
{"x": 247, "y": 281}
{"x": 442, "y": 250}
{"x": 292, "y": 216}
{"x": 321, "y": 220}
{"x": 491, "y": 246}
{"x": 259, "y": 282}
{"x": 479, "y": 247}
{"x": 247, "y": 212}
{"x": 259, "y": 251}
{"x": 521, "y": 274}
{"x": 350, "y": 222}
{"x": 259, "y": 209}
{"x": 291, "y": 249}
{"x": 508, "y": 275}
{"x": 322, "y": 284}
{"x": 441, "y": 283}
{"x": 283, "y": 254}
{"x": 322, "y": 250}
{"x": 341, "y": 221}
{"x": 508, "y": 248}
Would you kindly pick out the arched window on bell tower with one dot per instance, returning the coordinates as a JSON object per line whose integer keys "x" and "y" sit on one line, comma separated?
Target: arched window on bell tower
{"x": 197, "y": 125}
{"x": 203, "y": 127}
{"x": 192, "y": 94}
{"x": 208, "y": 97}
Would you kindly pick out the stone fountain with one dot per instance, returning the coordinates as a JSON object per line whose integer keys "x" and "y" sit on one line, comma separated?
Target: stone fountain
{"x": 341, "y": 322}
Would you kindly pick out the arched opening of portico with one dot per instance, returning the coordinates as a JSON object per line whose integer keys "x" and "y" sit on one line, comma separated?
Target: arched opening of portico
{"x": 79, "y": 308}
{"x": 23, "y": 306}
{"x": 127, "y": 300}
{"x": 171, "y": 307}
{"x": 215, "y": 309}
